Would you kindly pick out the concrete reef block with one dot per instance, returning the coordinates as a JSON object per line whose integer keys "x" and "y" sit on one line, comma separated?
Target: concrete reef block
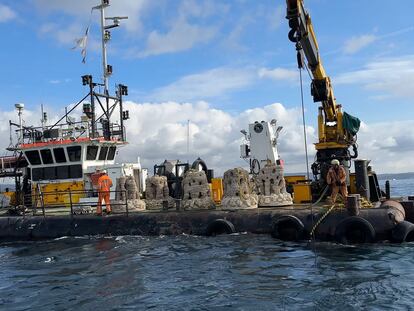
{"x": 127, "y": 190}
{"x": 157, "y": 192}
{"x": 156, "y": 188}
{"x": 238, "y": 191}
{"x": 271, "y": 187}
{"x": 196, "y": 191}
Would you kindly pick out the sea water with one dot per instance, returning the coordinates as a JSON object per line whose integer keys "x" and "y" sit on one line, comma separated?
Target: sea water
{"x": 233, "y": 272}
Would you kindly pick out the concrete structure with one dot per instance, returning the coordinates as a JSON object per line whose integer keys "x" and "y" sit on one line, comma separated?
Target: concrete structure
{"x": 271, "y": 187}
{"x": 196, "y": 189}
{"x": 238, "y": 190}
{"x": 157, "y": 193}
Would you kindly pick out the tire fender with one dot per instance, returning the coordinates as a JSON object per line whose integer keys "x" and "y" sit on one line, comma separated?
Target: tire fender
{"x": 288, "y": 228}
{"x": 354, "y": 230}
{"x": 403, "y": 232}
{"x": 220, "y": 226}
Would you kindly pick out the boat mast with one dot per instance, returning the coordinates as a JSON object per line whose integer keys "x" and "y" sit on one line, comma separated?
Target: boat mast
{"x": 104, "y": 58}
{"x": 105, "y": 37}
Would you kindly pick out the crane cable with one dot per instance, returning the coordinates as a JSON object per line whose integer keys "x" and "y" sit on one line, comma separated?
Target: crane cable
{"x": 300, "y": 66}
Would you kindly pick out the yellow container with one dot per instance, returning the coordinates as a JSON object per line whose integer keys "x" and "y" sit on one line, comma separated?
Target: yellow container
{"x": 294, "y": 179}
{"x": 217, "y": 189}
{"x": 302, "y": 193}
{"x": 58, "y": 193}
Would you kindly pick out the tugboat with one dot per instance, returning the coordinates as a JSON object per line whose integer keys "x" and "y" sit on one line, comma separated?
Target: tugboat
{"x": 59, "y": 162}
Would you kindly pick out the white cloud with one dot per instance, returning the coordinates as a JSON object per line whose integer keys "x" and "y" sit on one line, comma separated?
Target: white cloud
{"x": 280, "y": 74}
{"x": 393, "y": 76}
{"x": 356, "y": 44}
{"x": 182, "y": 36}
{"x": 65, "y": 36}
{"x": 81, "y": 10}
{"x": 6, "y": 14}
{"x": 185, "y": 30}
{"x": 389, "y": 145}
{"x": 159, "y": 131}
{"x": 215, "y": 134}
{"x": 212, "y": 83}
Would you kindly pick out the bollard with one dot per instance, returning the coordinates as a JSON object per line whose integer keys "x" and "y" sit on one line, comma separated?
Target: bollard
{"x": 353, "y": 204}
{"x": 387, "y": 190}
{"x": 361, "y": 178}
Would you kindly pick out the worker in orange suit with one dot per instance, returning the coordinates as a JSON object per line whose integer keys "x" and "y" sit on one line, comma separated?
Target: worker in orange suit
{"x": 336, "y": 178}
{"x": 104, "y": 186}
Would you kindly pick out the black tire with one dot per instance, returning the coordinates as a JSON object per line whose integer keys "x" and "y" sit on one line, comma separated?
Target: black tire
{"x": 288, "y": 228}
{"x": 199, "y": 162}
{"x": 220, "y": 226}
{"x": 403, "y": 232}
{"x": 354, "y": 230}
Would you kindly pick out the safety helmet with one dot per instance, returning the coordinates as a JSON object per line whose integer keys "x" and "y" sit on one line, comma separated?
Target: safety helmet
{"x": 104, "y": 172}
{"x": 335, "y": 162}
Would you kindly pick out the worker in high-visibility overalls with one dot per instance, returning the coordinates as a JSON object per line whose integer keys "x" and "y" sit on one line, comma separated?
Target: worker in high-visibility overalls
{"x": 104, "y": 186}
{"x": 336, "y": 178}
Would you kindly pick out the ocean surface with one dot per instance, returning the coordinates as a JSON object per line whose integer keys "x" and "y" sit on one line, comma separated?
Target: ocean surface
{"x": 235, "y": 272}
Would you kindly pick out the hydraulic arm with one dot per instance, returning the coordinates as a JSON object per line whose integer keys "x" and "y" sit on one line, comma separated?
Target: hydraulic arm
{"x": 334, "y": 139}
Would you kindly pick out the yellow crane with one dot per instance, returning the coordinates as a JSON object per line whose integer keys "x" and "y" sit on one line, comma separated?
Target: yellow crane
{"x": 336, "y": 129}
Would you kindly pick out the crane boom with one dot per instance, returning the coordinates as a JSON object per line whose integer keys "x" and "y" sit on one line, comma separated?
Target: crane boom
{"x": 334, "y": 139}
{"x": 303, "y": 34}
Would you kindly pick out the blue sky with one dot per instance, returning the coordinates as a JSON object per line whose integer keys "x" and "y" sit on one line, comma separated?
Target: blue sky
{"x": 232, "y": 55}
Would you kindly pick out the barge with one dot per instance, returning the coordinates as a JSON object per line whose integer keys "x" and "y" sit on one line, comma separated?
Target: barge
{"x": 56, "y": 168}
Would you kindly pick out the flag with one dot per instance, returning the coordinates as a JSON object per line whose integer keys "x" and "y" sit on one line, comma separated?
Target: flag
{"x": 81, "y": 43}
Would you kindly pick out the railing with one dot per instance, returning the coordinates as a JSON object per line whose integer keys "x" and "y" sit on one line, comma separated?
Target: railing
{"x": 71, "y": 131}
{"x": 76, "y": 202}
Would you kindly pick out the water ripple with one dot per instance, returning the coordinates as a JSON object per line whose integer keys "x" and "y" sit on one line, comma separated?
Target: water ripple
{"x": 236, "y": 272}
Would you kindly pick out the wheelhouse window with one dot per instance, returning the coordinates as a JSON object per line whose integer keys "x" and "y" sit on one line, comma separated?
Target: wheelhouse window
{"x": 62, "y": 172}
{"x": 75, "y": 171}
{"x": 91, "y": 152}
{"x": 37, "y": 174}
{"x": 111, "y": 153}
{"x": 46, "y": 156}
{"x": 49, "y": 173}
{"x": 33, "y": 157}
{"x": 103, "y": 153}
{"x": 59, "y": 154}
{"x": 74, "y": 153}
{"x": 57, "y": 172}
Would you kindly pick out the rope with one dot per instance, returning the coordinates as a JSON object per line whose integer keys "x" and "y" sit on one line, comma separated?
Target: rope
{"x": 321, "y": 219}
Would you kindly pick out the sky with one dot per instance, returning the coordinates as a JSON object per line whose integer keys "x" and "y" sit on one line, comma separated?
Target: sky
{"x": 221, "y": 65}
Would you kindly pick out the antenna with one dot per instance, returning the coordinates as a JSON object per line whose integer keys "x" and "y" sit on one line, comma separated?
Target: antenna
{"x": 188, "y": 138}
{"x": 19, "y": 107}
{"x": 106, "y": 36}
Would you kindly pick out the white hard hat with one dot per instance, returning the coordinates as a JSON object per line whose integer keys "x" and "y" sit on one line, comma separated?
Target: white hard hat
{"x": 104, "y": 171}
{"x": 335, "y": 162}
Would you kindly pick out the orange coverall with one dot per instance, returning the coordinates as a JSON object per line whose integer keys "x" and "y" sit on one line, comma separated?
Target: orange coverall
{"x": 336, "y": 178}
{"x": 104, "y": 185}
